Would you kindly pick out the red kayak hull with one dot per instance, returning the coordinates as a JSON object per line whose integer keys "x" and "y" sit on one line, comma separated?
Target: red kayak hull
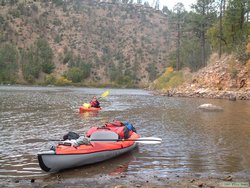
{"x": 83, "y": 109}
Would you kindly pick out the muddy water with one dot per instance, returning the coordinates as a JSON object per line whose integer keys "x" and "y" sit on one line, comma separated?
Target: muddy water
{"x": 194, "y": 141}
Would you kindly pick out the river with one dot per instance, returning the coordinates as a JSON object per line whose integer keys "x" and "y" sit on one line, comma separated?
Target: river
{"x": 194, "y": 141}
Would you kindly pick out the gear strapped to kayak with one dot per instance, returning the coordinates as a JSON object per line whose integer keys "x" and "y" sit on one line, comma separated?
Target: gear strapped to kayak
{"x": 110, "y": 136}
{"x": 124, "y": 130}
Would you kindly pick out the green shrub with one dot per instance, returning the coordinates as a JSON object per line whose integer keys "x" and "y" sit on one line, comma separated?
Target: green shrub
{"x": 50, "y": 80}
{"x": 63, "y": 82}
{"x": 169, "y": 80}
{"x": 58, "y": 39}
{"x": 8, "y": 63}
{"x": 48, "y": 67}
{"x": 1, "y": 20}
{"x": 58, "y": 2}
{"x": 75, "y": 74}
{"x": 152, "y": 71}
{"x": 241, "y": 54}
{"x": 176, "y": 80}
{"x": 36, "y": 59}
{"x": 34, "y": 7}
{"x": 86, "y": 69}
{"x": 68, "y": 57}
{"x": 125, "y": 81}
{"x": 44, "y": 55}
{"x": 57, "y": 22}
{"x": 31, "y": 70}
{"x": 15, "y": 13}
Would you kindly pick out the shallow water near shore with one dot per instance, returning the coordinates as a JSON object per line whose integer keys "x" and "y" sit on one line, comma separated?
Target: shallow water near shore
{"x": 194, "y": 141}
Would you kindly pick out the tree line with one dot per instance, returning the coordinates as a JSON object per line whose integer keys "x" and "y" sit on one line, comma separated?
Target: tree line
{"x": 220, "y": 26}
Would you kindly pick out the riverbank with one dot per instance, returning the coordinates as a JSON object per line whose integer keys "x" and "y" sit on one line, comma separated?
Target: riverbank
{"x": 126, "y": 181}
{"x": 204, "y": 93}
{"x": 224, "y": 78}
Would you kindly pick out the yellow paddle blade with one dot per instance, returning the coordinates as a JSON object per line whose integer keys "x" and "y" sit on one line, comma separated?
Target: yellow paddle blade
{"x": 86, "y": 105}
{"x": 105, "y": 94}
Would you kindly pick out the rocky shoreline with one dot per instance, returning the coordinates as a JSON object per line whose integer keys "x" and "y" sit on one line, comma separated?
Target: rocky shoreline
{"x": 224, "y": 78}
{"x": 205, "y": 93}
{"x": 126, "y": 181}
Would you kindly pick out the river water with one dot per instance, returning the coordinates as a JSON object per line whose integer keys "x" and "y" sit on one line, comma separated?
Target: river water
{"x": 194, "y": 141}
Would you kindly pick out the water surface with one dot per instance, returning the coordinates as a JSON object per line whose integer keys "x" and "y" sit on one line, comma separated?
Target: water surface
{"x": 194, "y": 141}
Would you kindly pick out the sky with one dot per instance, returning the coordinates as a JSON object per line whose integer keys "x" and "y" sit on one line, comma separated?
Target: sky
{"x": 170, "y": 3}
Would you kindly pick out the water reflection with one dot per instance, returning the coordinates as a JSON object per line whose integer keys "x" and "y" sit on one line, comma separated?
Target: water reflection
{"x": 87, "y": 115}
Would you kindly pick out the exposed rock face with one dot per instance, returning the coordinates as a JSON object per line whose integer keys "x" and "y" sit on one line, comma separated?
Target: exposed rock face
{"x": 225, "y": 78}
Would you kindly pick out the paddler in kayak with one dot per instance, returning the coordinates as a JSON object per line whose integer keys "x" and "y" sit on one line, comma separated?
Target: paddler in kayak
{"x": 94, "y": 103}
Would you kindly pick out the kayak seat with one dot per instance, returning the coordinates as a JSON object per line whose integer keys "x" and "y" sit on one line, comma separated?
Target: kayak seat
{"x": 105, "y": 135}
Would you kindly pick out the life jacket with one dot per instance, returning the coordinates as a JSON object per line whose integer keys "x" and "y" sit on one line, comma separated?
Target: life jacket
{"x": 116, "y": 126}
{"x": 95, "y": 104}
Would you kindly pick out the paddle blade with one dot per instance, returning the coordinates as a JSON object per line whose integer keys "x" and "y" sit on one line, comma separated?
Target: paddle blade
{"x": 149, "y": 140}
{"x": 105, "y": 94}
{"x": 86, "y": 105}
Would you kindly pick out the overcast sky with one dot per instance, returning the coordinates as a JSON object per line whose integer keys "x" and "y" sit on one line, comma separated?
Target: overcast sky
{"x": 170, "y": 3}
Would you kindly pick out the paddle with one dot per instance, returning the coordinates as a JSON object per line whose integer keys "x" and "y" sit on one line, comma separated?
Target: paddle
{"x": 105, "y": 94}
{"x": 143, "y": 140}
{"x": 109, "y": 136}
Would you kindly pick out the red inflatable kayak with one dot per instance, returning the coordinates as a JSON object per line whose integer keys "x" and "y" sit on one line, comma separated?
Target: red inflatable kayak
{"x": 64, "y": 156}
{"x": 90, "y": 109}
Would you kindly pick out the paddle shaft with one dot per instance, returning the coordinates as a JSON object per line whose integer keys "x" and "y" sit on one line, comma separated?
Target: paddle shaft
{"x": 140, "y": 140}
{"x": 143, "y": 141}
{"x": 103, "y": 140}
{"x": 96, "y": 140}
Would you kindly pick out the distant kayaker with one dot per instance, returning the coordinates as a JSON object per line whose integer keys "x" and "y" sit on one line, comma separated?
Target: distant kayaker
{"x": 94, "y": 102}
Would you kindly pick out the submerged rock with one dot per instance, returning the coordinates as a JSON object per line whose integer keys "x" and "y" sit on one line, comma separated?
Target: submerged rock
{"x": 210, "y": 107}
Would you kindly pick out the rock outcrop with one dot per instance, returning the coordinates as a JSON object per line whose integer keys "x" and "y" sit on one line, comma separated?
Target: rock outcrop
{"x": 226, "y": 78}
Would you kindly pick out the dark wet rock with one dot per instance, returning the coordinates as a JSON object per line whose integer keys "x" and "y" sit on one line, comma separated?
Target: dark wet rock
{"x": 16, "y": 181}
{"x": 32, "y": 180}
{"x": 200, "y": 185}
{"x": 228, "y": 178}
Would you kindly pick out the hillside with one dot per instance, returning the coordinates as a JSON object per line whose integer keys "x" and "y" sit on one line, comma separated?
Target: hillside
{"x": 124, "y": 44}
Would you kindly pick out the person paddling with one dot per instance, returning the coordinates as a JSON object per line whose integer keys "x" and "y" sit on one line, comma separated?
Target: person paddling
{"x": 94, "y": 102}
